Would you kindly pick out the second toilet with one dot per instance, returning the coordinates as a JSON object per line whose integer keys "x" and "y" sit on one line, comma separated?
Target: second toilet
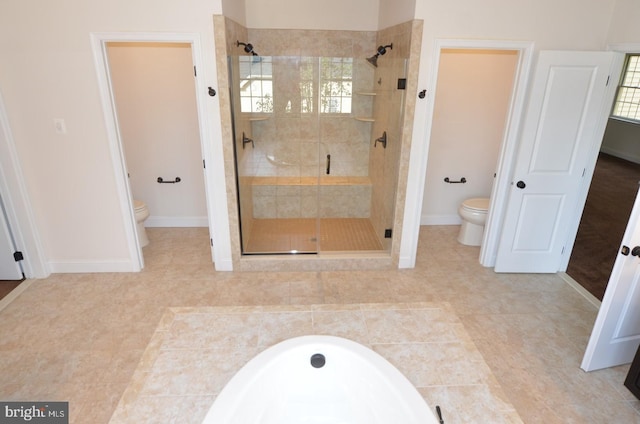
{"x": 474, "y": 215}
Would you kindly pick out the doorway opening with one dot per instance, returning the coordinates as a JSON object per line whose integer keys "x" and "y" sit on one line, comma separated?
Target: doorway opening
{"x": 473, "y": 132}
{"x": 155, "y": 103}
{"x": 158, "y": 115}
{"x": 611, "y": 195}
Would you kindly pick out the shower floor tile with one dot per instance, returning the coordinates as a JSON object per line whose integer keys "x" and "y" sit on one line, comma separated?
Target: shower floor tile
{"x": 301, "y": 234}
{"x": 194, "y": 352}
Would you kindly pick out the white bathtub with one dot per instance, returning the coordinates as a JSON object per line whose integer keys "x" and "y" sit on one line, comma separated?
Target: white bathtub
{"x": 355, "y": 386}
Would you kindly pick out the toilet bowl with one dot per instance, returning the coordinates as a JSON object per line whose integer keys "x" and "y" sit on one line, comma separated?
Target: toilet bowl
{"x": 474, "y": 215}
{"x": 142, "y": 213}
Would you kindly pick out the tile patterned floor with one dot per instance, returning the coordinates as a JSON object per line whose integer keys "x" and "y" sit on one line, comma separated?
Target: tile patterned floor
{"x": 301, "y": 234}
{"x": 195, "y": 351}
{"x": 80, "y": 337}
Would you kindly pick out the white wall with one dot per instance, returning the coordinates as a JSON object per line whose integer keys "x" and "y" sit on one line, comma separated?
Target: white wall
{"x": 155, "y": 99}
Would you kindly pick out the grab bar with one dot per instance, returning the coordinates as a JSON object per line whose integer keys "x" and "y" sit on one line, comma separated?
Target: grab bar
{"x": 462, "y": 180}
{"x": 328, "y": 164}
{"x": 161, "y": 181}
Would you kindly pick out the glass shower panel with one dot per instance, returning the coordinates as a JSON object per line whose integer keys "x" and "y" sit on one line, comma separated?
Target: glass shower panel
{"x": 276, "y": 148}
{"x": 317, "y": 146}
{"x": 358, "y": 195}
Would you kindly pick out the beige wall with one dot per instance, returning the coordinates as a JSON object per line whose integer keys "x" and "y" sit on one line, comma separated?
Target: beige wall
{"x": 551, "y": 24}
{"x": 624, "y": 25}
{"x": 158, "y": 119}
{"x": 235, "y": 10}
{"x": 358, "y": 15}
{"x": 47, "y": 71}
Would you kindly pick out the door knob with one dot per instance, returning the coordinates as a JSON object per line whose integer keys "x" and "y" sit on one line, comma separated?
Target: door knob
{"x": 521, "y": 184}
{"x": 635, "y": 251}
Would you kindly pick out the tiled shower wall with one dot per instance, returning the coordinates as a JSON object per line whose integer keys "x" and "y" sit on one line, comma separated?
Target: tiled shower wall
{"x": 294, "y": 146}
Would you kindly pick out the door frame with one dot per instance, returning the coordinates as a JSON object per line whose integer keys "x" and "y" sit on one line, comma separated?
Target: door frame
{"x": 99, "y": 43}
{"x": 509, "y": 144}
{"x": 18, "y": 208}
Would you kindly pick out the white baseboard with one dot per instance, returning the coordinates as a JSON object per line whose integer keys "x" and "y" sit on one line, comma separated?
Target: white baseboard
{"x": 176, "y": 221}
{"x": 92, "y": 266}
{"x": 440, "y": 220}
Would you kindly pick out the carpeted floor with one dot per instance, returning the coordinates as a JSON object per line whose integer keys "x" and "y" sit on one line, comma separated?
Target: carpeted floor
{"x": 613, "y": 190}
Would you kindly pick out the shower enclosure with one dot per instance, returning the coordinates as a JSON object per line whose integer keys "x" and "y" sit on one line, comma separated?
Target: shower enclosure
{"x": 317, "y": 145}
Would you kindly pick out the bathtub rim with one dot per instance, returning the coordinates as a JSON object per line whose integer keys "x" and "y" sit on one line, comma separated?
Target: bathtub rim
{"x": 227, "y": 398}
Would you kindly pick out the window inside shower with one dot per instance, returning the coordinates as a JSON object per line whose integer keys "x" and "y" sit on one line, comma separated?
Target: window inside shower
{"x": 309, "y": 178}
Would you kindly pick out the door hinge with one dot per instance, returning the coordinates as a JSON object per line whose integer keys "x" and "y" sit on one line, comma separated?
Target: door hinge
{"x": 562, "y": 253}
{"x": 195, "y": 71}
{"x": 584, "y": 170}
{"x": 211, "y": 240}
{"x": 608, "y": 78}
{"x": 18, "y": 256}
{"x": 402, "y": 83}
{"x": 387, "y": 233}
{"x": 204, "y": 165}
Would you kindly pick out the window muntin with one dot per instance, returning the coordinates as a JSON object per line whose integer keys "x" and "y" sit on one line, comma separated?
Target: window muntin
{"x": 627, "y": 104}
{"x": 256, "y": 84}
{"x": 336, "y": 83}
{"x": 333, "y": 83}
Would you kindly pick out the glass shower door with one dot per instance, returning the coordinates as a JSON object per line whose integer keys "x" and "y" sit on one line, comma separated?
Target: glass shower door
{"x": 276, "y": 151}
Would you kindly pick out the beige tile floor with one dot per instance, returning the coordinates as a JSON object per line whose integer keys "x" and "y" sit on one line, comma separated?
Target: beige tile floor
{"x": 80, "y": 337}
{"x": 301, "y": 234}
{"x": 195, "y": 351}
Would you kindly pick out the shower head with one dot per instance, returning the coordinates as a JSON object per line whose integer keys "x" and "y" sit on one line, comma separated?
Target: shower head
{"x": 373, "y": 60}
{"x": 248, "y": 48}
{"x": 381, "y": 50}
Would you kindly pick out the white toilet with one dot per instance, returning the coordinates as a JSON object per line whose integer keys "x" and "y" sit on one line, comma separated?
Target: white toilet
{"x": 474, "y": 215}
{"x": 142, "y": 213}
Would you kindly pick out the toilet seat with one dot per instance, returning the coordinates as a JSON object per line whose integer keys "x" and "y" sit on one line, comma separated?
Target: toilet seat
{"x": 476, "y": 204}
{"x": 139, "y": 205}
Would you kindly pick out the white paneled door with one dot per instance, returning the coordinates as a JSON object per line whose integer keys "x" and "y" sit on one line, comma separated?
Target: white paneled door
{"x": 562, "y": 132}
{"x": 616, "y": 332}
{"x": 9, "y": 268}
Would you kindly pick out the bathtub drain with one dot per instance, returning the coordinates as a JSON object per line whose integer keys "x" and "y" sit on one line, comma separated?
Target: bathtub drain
{"x": 318, "y": 360}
